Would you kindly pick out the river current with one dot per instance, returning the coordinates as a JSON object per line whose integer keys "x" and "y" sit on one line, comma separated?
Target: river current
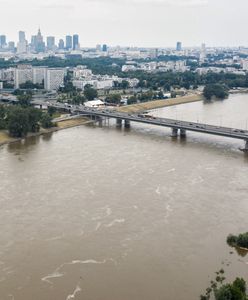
{"x": 105, "y": 214}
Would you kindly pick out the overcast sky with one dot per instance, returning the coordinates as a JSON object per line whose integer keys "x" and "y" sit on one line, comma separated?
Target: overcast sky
{"x": 149, "y": 23}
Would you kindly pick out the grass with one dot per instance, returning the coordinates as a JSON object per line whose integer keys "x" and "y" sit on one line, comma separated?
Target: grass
{"x": 140, "y": 107}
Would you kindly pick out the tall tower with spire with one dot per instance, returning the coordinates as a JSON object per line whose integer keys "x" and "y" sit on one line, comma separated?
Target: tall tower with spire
{"x": 39, "y": 43}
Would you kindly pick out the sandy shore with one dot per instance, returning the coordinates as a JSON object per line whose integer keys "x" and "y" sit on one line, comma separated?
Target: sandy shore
{"x": 140, "y": 107}
{"x": 6, "y": 139}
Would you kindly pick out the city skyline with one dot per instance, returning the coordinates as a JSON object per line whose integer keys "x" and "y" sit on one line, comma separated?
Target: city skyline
{"x": 143, "y": 23}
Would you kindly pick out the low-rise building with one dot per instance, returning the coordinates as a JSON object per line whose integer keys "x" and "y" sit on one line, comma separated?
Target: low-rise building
{"x": 94, "y": 103}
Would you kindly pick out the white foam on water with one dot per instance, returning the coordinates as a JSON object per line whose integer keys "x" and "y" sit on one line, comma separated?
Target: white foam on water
{"x": 168, "y": 212}
{"x": 197, "y": 180}
{"x": 55, "y": 238}
{"x": 115, "y": 222}
{"x": 89, "y": 261}
{"x": 158, "y": 190}
{"x": 73, "y": 295}
{"x": 55, "y": 274}
{"x": 98, "y": 226}
{"x": 171, "y": 170}
{"x": 108, "y": 212}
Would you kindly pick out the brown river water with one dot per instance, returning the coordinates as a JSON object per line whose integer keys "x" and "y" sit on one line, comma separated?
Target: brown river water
{"x": 104, "y": 214}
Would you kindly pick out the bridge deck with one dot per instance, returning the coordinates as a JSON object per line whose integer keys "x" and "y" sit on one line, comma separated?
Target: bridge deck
{"x": 139, "y": 118}
{"x": 191, "y": 126}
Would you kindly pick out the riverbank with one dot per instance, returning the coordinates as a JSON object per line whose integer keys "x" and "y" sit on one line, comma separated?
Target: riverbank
{"x": 140, "y": 107}
{"x": 6, "y": 139}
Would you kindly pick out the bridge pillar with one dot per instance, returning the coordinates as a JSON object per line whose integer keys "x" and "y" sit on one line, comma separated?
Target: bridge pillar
{"x": 119, "y": 123}
{"x": 127, "y": 124}
{"x": 246, "y": 145}
{"x": 99, "y": 119}
{"x": 174, "y": 132}
{"x": 182, "y": 133}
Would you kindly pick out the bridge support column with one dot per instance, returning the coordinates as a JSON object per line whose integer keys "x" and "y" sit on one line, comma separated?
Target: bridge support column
{"x": 246, "y": 146}
{"x": 119, "y": 123}
{"x": 99, "y": 119}
{"x": 174, "y": 132}
{"x": 127, "y": 124}
{"x": 182, "y": 133}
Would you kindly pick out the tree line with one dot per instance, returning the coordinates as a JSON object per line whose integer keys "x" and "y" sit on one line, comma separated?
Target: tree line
{"x": 21, "y": 119}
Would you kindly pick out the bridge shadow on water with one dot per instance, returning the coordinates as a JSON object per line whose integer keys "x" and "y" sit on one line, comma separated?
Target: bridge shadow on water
{"x": 192, "y": 140}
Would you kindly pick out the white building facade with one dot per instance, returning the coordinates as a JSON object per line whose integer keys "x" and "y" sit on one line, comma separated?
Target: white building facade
{"x": 54, "y": 78}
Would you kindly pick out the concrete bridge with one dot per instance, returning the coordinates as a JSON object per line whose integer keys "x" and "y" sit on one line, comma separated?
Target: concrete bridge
{"x": 179, "y": 128}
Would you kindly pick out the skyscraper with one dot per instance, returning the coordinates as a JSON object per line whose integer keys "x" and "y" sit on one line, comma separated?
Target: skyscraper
{"x": 11, "y": 46}
{"x": 22, "y": 43}
{"x": 22, "y": 36}
{"x": 39, "y": 44}
{"x": 50, "y": 42}
{"x": 2, "y": 41}
{"x": 98, "y": 47}
{"x": 179, "y": 46}
{"x": 203, "y": 53}
{"x": 33, "y": 41}
{"x": 61, "y": 44}
{"x": 68, "y": 42}
{"x": 104, "y": 48}
{"x": 75, "y": 41}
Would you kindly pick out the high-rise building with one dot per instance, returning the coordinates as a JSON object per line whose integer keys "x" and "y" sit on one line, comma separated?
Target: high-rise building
{"x": 179, "y": 46}
{"x": 68, "y": 42}
{"x": 11, "y": 46}
{"x": 22, "y": 37}
{"x": 104, "y": 48}
{"x": 23, "y": 73}
{"x": 203, "y": 53}
{"x": 39, "y": 44}
{"x": 50, "y": 42}
{"x": 75, "y": 41}
{"x": 98, "y": 47}
{"x": 39, "y": 74}
{"x": 54, "y": 78}
{"x": 2, "y": 41}
{"x": 22, "y": 43}
{"x": 61, "y": 44}
{"x": 33, "y": 42}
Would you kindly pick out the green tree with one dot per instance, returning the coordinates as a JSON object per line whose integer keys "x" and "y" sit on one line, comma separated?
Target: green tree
{"x": 46, "y": 121}
{"x": 218, "y": 90}
{"x": 51, "y": 110}
{"x": 124, "y": 84}
{"x": 241, "y": 240}
{"x": 90, "y": 93}
{"x": 34, "y": 116}
{"x": 24, "y": 99}
{"x": 3, "y": 122}
{"x": 18, "y": 124}
{"x": 114, "y": 98}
